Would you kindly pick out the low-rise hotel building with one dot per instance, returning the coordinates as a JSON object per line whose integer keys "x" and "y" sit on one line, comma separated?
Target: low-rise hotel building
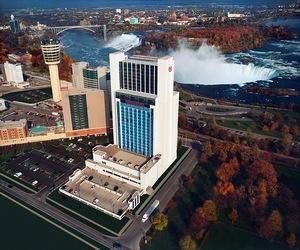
{"x": 11, "y": 131}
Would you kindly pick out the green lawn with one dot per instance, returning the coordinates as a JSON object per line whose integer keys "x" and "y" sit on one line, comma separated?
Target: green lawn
{"x": 88, "y": 212}
{"x": 6, "y": 156}
{"x": 23, "y": 230}
{"x": 244, "y": 125}
{"x": 185, "y": 96}
{"x": 287, "y": 113}
{"x": 227, "y": 237}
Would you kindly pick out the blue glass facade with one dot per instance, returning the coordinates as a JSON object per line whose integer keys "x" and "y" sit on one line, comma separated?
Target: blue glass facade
{"x": 135, "y": 122}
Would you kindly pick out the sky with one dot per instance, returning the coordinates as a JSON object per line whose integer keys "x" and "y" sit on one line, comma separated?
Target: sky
{"x": 22, "y": 4}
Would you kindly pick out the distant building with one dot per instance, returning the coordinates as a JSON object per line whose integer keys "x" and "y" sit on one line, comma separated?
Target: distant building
{"x": 84, "y": 76}
{"x": 13, "y": 130}
{"x": 51, "y": 54}
{"x": 85, "y": 22}
{"x": 2, "y": 105}
{"x": 118, "y": 11}
{"x": 173, "y": 17}
{"x": 86, "y": 112}
{"x": 22, "y": 26}
{"x": 13, "y": 73}
{"x": 14, "y": 24}
{"x": 134, "y": 20}
{"x": 220, "y": 19}
{"x": 235, "y": 15}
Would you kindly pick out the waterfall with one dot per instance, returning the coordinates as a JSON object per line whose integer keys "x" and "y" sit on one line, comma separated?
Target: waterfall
{"x": 124, "y": 42}
{"x": 208, "y": 66}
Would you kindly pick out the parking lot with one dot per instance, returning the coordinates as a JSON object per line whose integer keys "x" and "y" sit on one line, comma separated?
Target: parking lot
{"x": 42, "y": 166}
{"x": 29, "y": 96}
{"x": 34, "y": 116}
{"x": 38, "y": 168}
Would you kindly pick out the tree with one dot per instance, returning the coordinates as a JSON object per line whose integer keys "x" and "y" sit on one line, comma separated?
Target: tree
{"x": 223, "y": 188}
{"x": 182, "y": 121}
{"x": 285, "y": 129}
{"x": 245, "y": 156}
{"x": 222, "y": 155}
{"x": 233, "y": 215}
{"x": 291, "y": 240}
{"x": 228, "y": 170}
{"x": 210, "y": 210}
{"x": 255, "y": 152}
{"x": 276, "y": 221}
{"x": 160, "y": 221}
{"x": 262, "y": 170}
{"x": 187, "y": 243}
{"x": 286, "y": 142}
{"x": 271, "y": 226}
{"x": 206, "y": 151}
{"x": 198, "y": 220}
{"x": 212, "y": 121}
{"x": 258, "y": 199}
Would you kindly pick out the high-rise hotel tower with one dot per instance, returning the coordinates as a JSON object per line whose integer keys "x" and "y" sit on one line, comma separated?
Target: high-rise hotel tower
{"x": 51, "y": 53}
{"x": 144, "y": 106}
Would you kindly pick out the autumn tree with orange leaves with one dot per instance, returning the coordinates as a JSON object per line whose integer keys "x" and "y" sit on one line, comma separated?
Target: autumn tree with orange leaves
{"x": 271, "y": 226}
{"x": 233, "y": 215}
{"x": 291, "y": 240}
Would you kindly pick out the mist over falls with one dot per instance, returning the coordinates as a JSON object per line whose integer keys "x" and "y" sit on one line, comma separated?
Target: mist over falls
{"x": 208, "y": 66}
{"x": 124, "y": 42}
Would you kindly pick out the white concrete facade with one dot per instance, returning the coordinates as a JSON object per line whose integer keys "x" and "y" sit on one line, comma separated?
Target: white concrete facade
{"x": 13, "y": 72}
{"x": 165, "y": 109}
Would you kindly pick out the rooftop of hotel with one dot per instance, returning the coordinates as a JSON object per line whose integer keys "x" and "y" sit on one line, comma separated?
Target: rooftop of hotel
{"x": 50, "y": 41}
{"x": 152, "y": 60}
{"x": 100, "y": 190}
{"x": 126, "y": 158}
{"x": 143, "y": 58}
{"x": 13, "y": 124}
{"x": 123, "y": 157}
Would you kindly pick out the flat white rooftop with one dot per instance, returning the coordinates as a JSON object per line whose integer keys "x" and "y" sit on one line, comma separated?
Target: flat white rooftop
{"x": 121, "y": 156}
{"x": 113, "y": 153}
{"x": 101, "y": 191}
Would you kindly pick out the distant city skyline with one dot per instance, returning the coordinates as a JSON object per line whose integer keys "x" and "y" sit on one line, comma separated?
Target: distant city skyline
{"x": 23, "y": 4}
